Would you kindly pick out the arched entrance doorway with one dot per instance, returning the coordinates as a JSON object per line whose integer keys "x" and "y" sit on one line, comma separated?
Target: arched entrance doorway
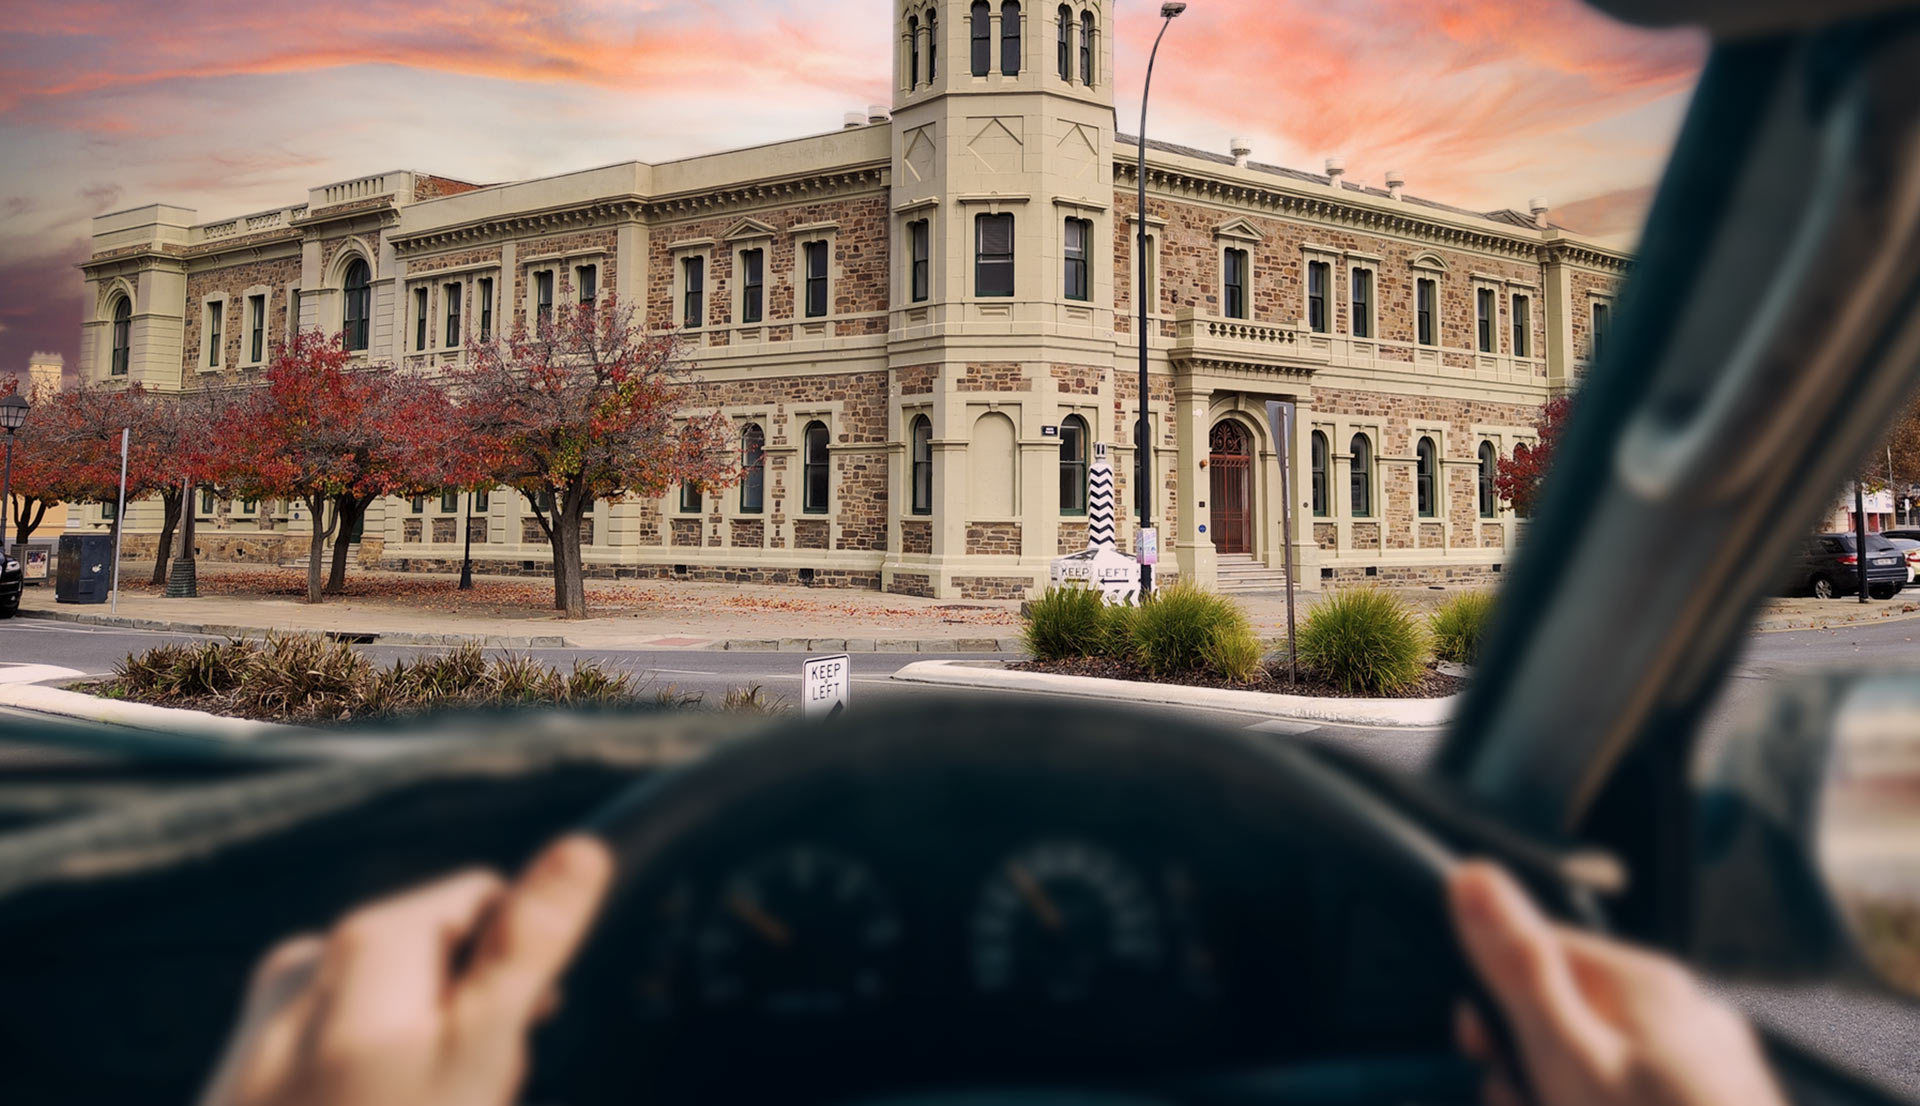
{"x": 1231, "y": 464}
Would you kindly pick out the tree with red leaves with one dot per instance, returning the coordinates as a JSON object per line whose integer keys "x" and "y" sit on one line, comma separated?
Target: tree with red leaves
{"x": 584, "y": 409}
{"x": 31, "y": 483}
{"x": 1517, "y": 479}
{"x": 321, "y": 432}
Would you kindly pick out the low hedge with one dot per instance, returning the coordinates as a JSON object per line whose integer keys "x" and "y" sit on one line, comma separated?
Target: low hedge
{"x": 1366, "y": 640}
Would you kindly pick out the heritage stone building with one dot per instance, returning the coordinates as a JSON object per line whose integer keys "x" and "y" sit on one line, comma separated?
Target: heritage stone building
{"x": 922, "y": 324}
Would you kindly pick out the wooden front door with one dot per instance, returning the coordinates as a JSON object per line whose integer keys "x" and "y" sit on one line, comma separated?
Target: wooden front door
{"x": 1231, "y": 464}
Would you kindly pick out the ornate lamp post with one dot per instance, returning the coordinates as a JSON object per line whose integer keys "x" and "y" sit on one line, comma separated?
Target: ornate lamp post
{"x": 13, "y": 415}
{"x": 1143, "y": 434}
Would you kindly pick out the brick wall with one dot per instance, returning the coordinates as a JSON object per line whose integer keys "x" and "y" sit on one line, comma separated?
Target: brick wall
{"x": 992, "y": 587}
{"x": 916, "y": 537}
{"x": 993, "y": 376}
{"x": 232, "y": 281}
{"x": 993, "y": 539}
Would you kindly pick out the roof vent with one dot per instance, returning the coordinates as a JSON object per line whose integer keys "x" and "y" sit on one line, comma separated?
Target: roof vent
{"x": 1241, "y": 152}
{"x": 1539, "y": 207}
{"x": 1336, "y": 168}
{"x": 877, "y": 113}
{"x": 855, "y": 119}
{"x": 1396, "y": 183}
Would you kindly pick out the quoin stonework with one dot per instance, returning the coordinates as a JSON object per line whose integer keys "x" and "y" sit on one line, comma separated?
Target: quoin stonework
{"x": 926, "y": 316}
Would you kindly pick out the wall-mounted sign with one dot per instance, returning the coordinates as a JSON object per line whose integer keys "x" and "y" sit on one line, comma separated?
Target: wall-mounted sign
{"x": 1049, "y": 432}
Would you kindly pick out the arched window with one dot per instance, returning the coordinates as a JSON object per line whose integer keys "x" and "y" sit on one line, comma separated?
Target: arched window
{"x": 922, "y": 466}
{"x": 122, "y": 336}
{"x": 813, "y": 466}
{"x": 933, "y": 45}
{"x": 1086, "y": 48}
{"x": 1073, "y": 466}
{"x": 913, "y": 52}
{"x": 1489, "y": 499}
{"x": 359, "y": 304}
{"x": 982, "y": 38}
{"x": 1362, "y": 477}
{"x": 1322, "y": 453}
{"x": 753, "y": 469}
{"x": 1066, "y": 44}
{"x": 1010, "y": 38}
{"x": 1426, "y": 478}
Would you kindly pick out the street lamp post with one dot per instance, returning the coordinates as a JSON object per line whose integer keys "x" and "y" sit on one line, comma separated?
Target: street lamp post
{"x": 1143, "y": 432}
{"x": 466, "y": 558}
{"x": 13, "y": 415}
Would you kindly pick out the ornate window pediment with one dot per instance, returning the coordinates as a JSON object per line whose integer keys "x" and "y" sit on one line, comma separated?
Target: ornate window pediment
{"x": 748, "y": 229}
{"x": 1239, "y": 230}
{"x": 1430, "y": 261}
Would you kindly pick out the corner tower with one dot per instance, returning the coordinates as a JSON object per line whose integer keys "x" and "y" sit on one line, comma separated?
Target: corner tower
{"x": 1002, "y": 326}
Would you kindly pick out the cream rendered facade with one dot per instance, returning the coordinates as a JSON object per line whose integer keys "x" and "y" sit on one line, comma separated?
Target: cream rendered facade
{"x": 1337, "y": 287}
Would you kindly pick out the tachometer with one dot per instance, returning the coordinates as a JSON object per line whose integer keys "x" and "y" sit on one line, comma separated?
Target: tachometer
{"x": 1067, "y": 921}
{"x": 802, "y": 932}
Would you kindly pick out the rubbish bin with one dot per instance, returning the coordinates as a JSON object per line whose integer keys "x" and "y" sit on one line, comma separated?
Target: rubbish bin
{"x": 85, "y": 572}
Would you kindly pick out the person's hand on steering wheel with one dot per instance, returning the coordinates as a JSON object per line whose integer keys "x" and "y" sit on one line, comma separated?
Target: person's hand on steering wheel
{"x": 1595, "y": 1023}
{"x": 425, "y": 999}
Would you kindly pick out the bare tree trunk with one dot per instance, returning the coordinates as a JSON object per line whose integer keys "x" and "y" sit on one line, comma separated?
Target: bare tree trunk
{"x": 170, "y": 504}
{"x": 317, "y": 544}
{"x": 27, "y": 513}
{"x": 348, "y": 511}
{"x": 569, "y": 589}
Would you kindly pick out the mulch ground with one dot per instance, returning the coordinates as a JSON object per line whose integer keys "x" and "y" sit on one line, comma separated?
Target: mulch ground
{"x": 1432, "y": 685}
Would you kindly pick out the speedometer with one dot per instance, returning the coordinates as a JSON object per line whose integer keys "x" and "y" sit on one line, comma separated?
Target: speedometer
{"x": 1068, "y": 922}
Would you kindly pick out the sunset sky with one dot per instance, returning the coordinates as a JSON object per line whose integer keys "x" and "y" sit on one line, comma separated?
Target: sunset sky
{"x": 230, "y": 107}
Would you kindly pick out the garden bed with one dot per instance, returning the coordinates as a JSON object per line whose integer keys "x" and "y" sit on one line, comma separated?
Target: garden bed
{"x": 1270, "y": 678}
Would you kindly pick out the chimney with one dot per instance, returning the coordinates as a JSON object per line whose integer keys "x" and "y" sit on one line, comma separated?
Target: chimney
{"x": 1241, "y": 152}
{"x": 877, "y": 113}
{"x": 1336, "y": 168}
{"x": 854, "y": 119}
{"x": 1539, "y": 207}
{"x": 1396, "y": 183}
{"x": 45, "y": 376}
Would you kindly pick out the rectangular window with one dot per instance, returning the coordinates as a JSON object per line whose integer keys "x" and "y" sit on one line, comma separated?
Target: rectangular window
{"x": 1236, "y": 284}
{"x": 1319, "y": 275}
{"x": 690, "y": 498}
{"x": 1362, "y": 303}
{"x": 485, "y": 296}
{"x": 449, "y": 502}
{"x": 993, "y": 255}
{"x": 1602, "y": 318}
{"x": 419, "y": 318}
{"x": 920, "y": 245}
{"x": 816, "y": 262}
{"x": 587, "y": 279}
{"x": 293, "y": 312}
{"x": 206, "y": 501}
{"x": 1426, "y": 293}
{"x": 813, "y": 469}
{"x": 1079, "y": 238}
{"x": 1152, "y": 256}
{"x": 982, "y": 41}
{"x": 256, "y": 329}
{"x": 1522, "y": 326}
{"x": 249, "y": 506}
{"x": 215, "y": 310}
{"x": 419, "y": 504}
{"x": 543, "y": 297}
{"x": 753, "y": 285}
{"x": 454, "y": 294}
{"x": 109, "y": 511}
{"x": 1483, "y": 311}
{"x": 481, "y": 502}
{"x": 1010, "y": 38}
{"x": 693, "y": 277}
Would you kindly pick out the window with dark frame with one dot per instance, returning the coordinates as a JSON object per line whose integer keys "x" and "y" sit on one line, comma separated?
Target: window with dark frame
{"x": 207, "y": 502}
{"x": 993, "y": 255}
{"x": 1066, "y": 44}
{"x": 1362, "y": 322}
{"x": 586, "y": 279}
{"x": 1361, "y": 489}
{"x": 693, "y": 290}
{"x": 419, "y": 318}
{"x": 256, "y": 329}
{"x": 1426, "y": 465}
{"x": 982, "y": 30}
{"x": 1483, "y": 317}
{"x": 1426, "y": 292}
{"x": 359, "y": 303}
{"x": 1086, "y": 48}
{"x": 215, "y": 312}
{"x": 449, "y": 503}
{"x": 933, "y": 45}
{"x": 109, "y": 510}
{"x": 813, "y": 469}
{"x": 913, "y": 52}
{"x": 1079, "y": 238}
{"x": 1319, "y": 275}
{"x": 753, "y": 469}
{"x": 1236, "y": 284}
{"x": 922, "y": 465}
{"x": 419, "y": 504}
{"x": 1602, "y": 318}
{"x": 293, "y": 312}
{"x": 920, "y": 257}
{"x": 690, "y": 497}
{"x": 816, "y": 262}
{"x": 1322, "y": 455}
{"x": 1073, "y": 466}
{"x": 543, "y": 297}
{"x": 122, "y": 337}
{"x": 1489, "y": 463}
{"x": 1522, "y": 326}
{"x": 454, "y": 293}
{"x": 753, "y": 285}
{"x": 1010, "y": 38}
{"x": 480, "y": 501}
{"x": 485, "y": 296}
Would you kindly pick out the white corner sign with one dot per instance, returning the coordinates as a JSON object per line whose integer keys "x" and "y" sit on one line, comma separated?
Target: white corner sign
{"x": 825, "y": 685}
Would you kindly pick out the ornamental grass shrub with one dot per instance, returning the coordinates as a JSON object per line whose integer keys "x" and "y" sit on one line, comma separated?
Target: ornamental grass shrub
{"x": 1459, "y": 625}
{"x": 1066, "y": 623}
{"x": 1365, "y": 640}
{"x": 1183, "y": 630}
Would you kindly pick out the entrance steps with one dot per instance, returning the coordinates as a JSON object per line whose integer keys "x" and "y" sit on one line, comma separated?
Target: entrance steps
{"x": 1240, "y": 572}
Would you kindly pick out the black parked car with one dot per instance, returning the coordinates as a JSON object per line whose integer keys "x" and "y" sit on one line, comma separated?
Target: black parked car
{"x": 12, "y": 582}
{"x": 1828, "y": 567}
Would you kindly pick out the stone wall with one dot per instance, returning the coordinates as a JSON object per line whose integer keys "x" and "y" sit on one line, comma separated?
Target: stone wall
{"x": 232, "y": 282}
{"x": 916, "y": 537}
{"x": 993, "y": 587}
{"x": 993, "y": 539}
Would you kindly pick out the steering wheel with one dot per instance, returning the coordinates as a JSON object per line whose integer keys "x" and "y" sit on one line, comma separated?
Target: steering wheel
{"x": 1000, "y": 903}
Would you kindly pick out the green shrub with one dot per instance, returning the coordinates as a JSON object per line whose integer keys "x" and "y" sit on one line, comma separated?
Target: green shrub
{"x": 1183, "y": 629}
{"x": 1459, "y": 625}
{"x": 1064, "y": 623}
{"x": 1365, "y": 640}
{"x": 1116, "y": 632}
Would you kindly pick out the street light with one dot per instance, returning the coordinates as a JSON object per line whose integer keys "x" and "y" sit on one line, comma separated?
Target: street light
{"x": 13, "y": 415}
{"x": 1143, "y": 434}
